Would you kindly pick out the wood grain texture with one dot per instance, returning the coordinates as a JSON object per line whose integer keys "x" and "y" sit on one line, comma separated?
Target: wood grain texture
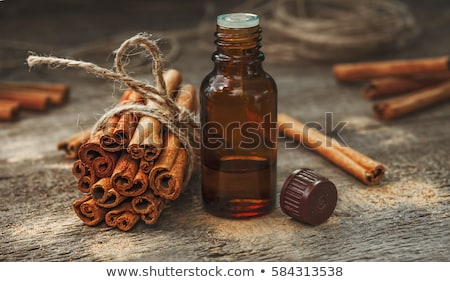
{"x": 404, "y": 218}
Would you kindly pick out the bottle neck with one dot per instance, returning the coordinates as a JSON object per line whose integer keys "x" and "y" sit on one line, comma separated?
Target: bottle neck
{"x": 238, "y": 46}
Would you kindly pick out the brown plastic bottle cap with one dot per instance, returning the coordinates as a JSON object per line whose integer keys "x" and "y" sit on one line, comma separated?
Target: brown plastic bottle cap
{"x": 308, "y": 197}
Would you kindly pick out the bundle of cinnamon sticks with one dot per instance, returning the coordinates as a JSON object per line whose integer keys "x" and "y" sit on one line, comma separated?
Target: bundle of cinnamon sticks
{"x": 132, "y": 168}
{"x": 15, "y": 96}
{"x": 420, "y": 82}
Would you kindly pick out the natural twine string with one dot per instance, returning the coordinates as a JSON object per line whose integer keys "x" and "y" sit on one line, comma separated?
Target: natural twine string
{"x": 177, "y": 120}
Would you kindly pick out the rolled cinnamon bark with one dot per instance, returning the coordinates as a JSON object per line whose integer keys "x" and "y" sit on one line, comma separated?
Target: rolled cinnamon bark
{"x": 80, "y": 169}
{"x": 106, "y": 139}
{"x": 27, "y": 100}
{"x": 120, "y": 128}
{"x": 187, "y": 98}
{"x": 140, "y": 184}
{"x": 57, "y": 93}
{"x": 105, "y": 195}
{"x": 147, "y": 142}
{"x": 100, "y": 162}
{"x": 127, "y": 123}
{"x": 73, "y": 144}
{"x": 85, "y": 183}
{"x": 163, "y": 165}
{"x": 123, "y": 217}
{"x": 166, "y": 177}
{"x": 146, "y": 166}
{"x": 173, "y": 79}
{"x": 9, "y": 110}
{"x": 168, "y": 183}
{"x": 397, "y": 107}
{"x": 124, "y": 173}
{"x": 86, "y": 209}
{"x": 367, "y": 70}
{"x": 367, "y": 170}
{"x": 388, "y": 86}
{"x": 86, "y": 178}
{"x": 91, "y": 150}
{"x": 103, "y": 166}
{"x": 148, "y": 206}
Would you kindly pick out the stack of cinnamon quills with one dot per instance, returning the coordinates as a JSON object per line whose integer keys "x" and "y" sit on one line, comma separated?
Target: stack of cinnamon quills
{"x": 418, "y": 83}
{"x": 131, "y": 169}
{"x": 34, "y": 96}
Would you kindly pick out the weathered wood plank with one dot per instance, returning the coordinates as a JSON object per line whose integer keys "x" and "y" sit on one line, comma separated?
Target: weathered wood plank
{"x": 405, "y": 218}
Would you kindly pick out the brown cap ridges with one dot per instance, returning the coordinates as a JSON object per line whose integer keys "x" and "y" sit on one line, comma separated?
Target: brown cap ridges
{"x": 308, "y": 197}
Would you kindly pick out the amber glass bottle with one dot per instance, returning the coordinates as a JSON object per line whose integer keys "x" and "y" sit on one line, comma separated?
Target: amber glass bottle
{"x": 238, "y": 115}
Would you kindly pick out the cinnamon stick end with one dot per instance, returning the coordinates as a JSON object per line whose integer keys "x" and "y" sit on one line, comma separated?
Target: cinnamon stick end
{"x": 369, "y": 91}
{"x": 374, "y": 177}
{"x": 382, "y": 111}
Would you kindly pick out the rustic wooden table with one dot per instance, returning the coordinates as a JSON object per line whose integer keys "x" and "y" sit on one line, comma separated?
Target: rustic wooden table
{"x": 404, "y": 218}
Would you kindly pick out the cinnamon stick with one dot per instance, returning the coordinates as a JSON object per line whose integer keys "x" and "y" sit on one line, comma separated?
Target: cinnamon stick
{"x": 168, "y": 183}
{"x": 86, "y": 209}
{"x": 9, "y": 110}
{"x": 107, "y": 141}
{"x": 164, "y": 164}
{"x": 123, "y": 217}
{"x": 172, "y": 79}
{"x": 364, "y": 168}
{"x": 146, "y": 142}
{"x": 187, "y": 97}
{"x": 27, "y": 100}
{"x": 166, "y": 177}
{"x": 105, "y": 195}
{"x": 85, "y": 175}
{"x": 73, "y": 144}
{"x": 85, "y": 183}
{"x": 388, "y": 86}
{"x": 368, "y": 70}
{"x": 80, "y": 169}
{"x": 124, "y": 173}
{"x": 103, "y": 166}
{"x": 397, "y": 107}
{"x": 91, "y": 150}
{"x": 127, "y": 123}
{"x": 57, "y": 93}
{"x": 120, "y": 128}
{"x": 146, "y": 166}
{"x": 148, "y": 206}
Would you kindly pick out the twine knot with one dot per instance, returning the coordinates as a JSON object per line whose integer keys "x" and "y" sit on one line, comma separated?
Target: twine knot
{"x": 162, "y": 107}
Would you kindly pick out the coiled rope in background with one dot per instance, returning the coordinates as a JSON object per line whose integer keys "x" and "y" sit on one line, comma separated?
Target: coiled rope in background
{"x": 337, "y": 30}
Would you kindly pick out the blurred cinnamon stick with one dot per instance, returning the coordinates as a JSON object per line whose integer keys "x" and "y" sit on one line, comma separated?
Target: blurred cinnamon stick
{"x": 27, "y": 100}
{"x": 71, "y": 145}
{"x": 368, "y": 70}
{"x": 420, "y": 99}
{"x": 388, "y": 86}
{"x": 9, "y": 110}
{"x": 58, "y": 93}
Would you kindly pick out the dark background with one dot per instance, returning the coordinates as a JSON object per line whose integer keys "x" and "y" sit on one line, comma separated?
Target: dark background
{"x": 404, "y": 218}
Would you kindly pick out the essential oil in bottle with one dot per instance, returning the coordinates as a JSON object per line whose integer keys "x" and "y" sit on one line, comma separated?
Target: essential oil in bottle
{"x": 238, "y": 116}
